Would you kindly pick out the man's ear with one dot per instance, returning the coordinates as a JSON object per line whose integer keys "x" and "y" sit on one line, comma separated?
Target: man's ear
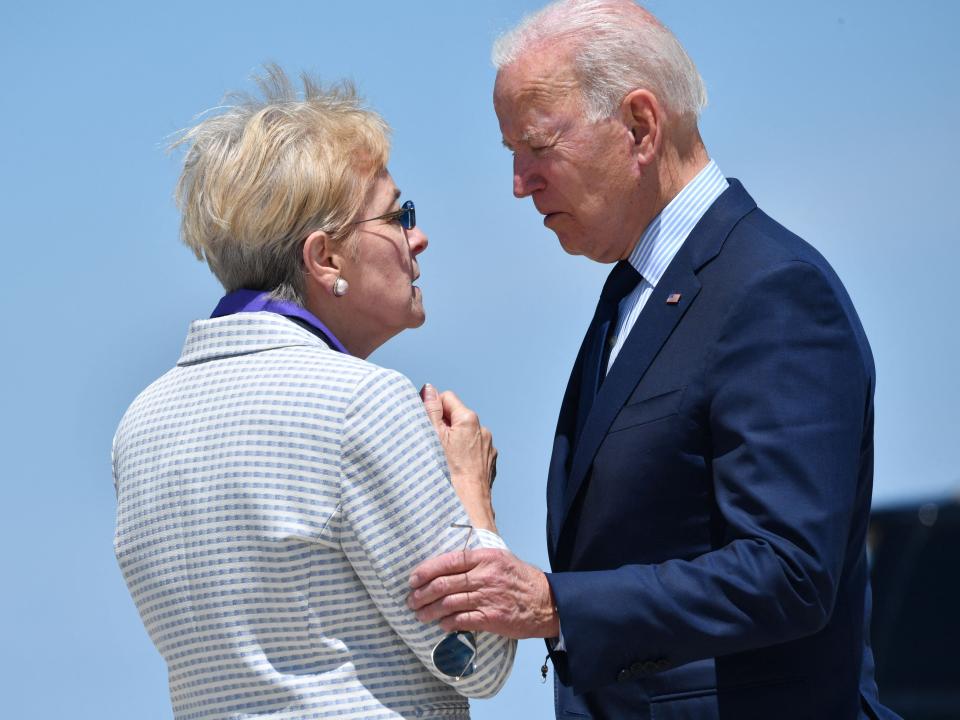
{"x": 321, "y": 264}
{"x": 644, "y": 116}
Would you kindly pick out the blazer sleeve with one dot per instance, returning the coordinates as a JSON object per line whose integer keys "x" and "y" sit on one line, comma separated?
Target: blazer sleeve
{"x": 789, "y": 385}
{"x": 399, "y": 509}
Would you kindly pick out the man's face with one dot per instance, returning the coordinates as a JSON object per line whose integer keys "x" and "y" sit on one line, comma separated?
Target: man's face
{"x": 581, "y": 175}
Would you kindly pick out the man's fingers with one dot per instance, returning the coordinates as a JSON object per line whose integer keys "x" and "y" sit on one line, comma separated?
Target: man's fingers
{"x": 436, "y": 589}
{"x": 451, "y": 563}
{"x": 446, "y": 606}
{"x": 433, "y": 405}
{"x": 473, "y": 620}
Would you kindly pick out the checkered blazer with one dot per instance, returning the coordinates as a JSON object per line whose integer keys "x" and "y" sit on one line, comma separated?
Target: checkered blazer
{"x": 272, "y": 498}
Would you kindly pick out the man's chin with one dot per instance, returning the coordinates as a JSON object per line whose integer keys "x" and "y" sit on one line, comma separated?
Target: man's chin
{"x": 570, "y": 241}
{"x": 571, "y": 244}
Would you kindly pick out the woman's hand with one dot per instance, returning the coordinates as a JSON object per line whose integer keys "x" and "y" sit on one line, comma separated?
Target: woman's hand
{"x": 470, "y": 453}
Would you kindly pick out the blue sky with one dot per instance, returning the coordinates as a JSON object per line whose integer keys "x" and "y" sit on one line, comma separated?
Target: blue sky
{"x": 839, "y": 117}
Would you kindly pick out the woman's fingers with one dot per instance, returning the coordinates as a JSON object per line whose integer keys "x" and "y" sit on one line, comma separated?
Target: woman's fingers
{"x": 456, "y": 412}
{"x": 434, "y": 407}
{"x": 470, "y": 454}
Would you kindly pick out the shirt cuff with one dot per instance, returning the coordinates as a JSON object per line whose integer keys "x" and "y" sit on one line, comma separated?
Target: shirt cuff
{"x": 490, "y": 539}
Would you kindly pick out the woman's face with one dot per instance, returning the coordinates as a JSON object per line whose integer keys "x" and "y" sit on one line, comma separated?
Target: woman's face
{"x": 383, "y": 267}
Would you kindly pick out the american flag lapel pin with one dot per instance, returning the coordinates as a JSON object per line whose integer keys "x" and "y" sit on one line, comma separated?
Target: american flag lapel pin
{"x": 674, "y": 299}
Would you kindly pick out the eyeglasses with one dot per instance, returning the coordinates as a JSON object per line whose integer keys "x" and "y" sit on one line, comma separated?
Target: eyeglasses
{"x": 455, "y": 656}
{"x": 406, "y": 215}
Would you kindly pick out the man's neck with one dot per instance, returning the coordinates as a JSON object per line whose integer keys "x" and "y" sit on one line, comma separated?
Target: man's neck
{"x": 673, "y": 174}
{"x": 677, "y": 170}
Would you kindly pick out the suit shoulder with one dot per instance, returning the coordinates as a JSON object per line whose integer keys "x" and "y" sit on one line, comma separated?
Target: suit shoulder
{"x": 759, "y": 248}
{"x": 766, "y": 242}
{"x": 758, "y": 244}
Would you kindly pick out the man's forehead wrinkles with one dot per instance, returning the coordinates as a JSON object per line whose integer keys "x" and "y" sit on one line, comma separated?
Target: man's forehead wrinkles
{"x": 535, "y": 104}
{"x": 546, "y": 90}
{"x": 536, "y": 127}
{"x": 535, "y": 134}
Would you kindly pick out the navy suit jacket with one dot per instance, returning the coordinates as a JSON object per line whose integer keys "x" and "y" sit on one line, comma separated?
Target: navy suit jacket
{"x": 707, "y": 517}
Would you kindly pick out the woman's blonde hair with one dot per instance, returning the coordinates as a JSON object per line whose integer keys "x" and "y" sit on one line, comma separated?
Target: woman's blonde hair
{"x": 263, "y": 173}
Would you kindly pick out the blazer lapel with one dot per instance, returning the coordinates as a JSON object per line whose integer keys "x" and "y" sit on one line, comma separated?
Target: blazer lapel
{"x": 568, "y": 428}
{"x": 654, "y": 325}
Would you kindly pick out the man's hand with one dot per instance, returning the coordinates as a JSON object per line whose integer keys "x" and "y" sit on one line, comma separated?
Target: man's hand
{"x": 471, "y": 456}
{"x": 487, "y": 590}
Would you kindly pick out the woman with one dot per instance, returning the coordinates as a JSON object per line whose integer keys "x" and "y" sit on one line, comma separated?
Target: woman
{"x": 274, "y": 488}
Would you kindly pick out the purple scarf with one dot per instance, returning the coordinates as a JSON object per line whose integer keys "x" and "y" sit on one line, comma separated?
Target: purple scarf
{"x": 260, "y": 301}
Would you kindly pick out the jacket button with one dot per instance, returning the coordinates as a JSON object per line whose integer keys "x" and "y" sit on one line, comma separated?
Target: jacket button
{"x": 624, "y": 675}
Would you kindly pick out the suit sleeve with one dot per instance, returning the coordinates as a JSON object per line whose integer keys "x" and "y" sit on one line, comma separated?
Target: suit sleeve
{"x": 788, "y": 386}
{"x": 399, "y": 508}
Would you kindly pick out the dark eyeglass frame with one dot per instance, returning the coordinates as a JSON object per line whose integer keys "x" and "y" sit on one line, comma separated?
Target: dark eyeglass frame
{"x": 456, "y": 654}
{"x": 407, "y": 215}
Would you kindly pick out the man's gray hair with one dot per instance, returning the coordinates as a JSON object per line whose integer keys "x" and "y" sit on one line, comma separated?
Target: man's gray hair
{"x": 617, "y": 46}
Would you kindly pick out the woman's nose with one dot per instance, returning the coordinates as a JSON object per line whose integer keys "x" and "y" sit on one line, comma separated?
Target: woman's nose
{"x": 418, "y": 241}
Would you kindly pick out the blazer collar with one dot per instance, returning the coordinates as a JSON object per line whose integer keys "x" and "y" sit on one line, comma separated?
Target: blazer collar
{"x": 241, "y": 334}
{"x": 655, "y": 324}
{"x": 707, "y": 237}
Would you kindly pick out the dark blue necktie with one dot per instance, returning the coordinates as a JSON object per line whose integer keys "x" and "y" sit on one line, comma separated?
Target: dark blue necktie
{"x": 621, "y": 281}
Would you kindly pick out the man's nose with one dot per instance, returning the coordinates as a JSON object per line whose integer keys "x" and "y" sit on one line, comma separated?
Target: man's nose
{"x": 526, "y": 177}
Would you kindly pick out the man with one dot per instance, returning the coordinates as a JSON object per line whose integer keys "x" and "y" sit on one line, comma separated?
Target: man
{"x": 710, "y": 484}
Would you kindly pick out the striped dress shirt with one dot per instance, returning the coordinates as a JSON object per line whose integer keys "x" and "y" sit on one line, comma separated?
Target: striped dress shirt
{"x": 273, "y": 496}
{"x": 660, "y": 242}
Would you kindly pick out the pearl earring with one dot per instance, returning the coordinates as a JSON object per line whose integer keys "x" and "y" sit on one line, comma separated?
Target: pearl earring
{"x": 340, "y": 287}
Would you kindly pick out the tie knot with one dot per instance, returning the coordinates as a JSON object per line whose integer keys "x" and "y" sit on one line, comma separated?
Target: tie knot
{"x": 622, "y": 279}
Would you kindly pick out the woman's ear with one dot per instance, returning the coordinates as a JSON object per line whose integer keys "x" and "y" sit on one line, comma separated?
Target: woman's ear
{"x": 321, "y": 265}
{"x": 642, "y": 113}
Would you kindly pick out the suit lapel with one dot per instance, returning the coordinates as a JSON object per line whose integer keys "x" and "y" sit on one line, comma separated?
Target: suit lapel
{"x": 654, "y": 325}
{"x": 589, "y": 375}
{"x": 568, "y": 428}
